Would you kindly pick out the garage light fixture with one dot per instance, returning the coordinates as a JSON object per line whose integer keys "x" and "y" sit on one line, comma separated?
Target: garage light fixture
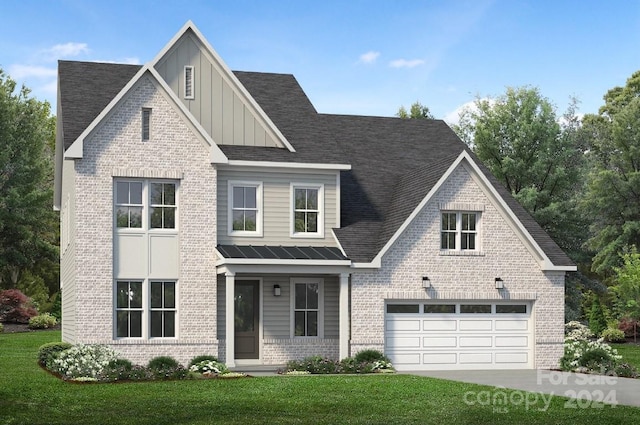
{"x": 426, "y": 283}
{"x": 499, "y": 283}
{"x": 276, "y": 290}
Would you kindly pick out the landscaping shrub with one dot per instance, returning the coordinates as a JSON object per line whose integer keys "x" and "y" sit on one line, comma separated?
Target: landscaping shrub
{"x": 320, "y": 365}
{"x": 208, "y": 367}
{"x": 50, "y": 351}
{"x": 83, "y": 361}
{"x": 597, "y": 321}
{"x": 15, "y": 307}
{"x": 369, "y": 356}
{"x": 202, "y": 358}
{"x": 165, "y": 367}
{"x": 613, "y": 335}
{"x": 629, "y": 326}
{"x": 589, "y": 356}
{"x": 577, "y": 331}
{"x": 625, "y": 370}
{"x": 42, "y": 321}
{"x": 124, "y": 370}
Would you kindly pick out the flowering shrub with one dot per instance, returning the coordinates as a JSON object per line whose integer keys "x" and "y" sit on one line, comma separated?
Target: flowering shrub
{"x": 588, "y": 356}
{"x": 201, "y": 358}
{"x": 576, "y": 331}
{"x": 382, "y": 365}
{"x": 83, "y": 361}
{"x": 42, "y": 321}
{"x": 320, "y": 365}
{"x": 165, "y": 367}
{"x": 209, "y": 367}
{"x": 47, "y": 353}
{"x": 613, "y": 335}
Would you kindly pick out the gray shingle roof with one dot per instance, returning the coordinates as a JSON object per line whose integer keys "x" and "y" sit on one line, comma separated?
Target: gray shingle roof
{"x": 394, "y": 162}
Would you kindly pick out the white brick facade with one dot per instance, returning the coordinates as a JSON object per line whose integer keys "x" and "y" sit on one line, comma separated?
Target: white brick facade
{"x": 417, "y": 253}
{"x": 115, "y": 149}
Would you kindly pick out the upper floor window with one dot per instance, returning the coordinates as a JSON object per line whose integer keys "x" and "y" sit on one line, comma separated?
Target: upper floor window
{"x": 146, "y": 124}
{"x": 307, "y": 214}
{"x": 245, "y": 208}
{"x": 459, "y": 231}
{"x": 143, "y": 204}
{"x": 188, "y": 82}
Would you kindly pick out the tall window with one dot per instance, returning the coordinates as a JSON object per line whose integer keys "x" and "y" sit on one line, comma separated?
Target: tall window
{"x": 129, "y": 204}
{"x": 163, "y": 205}
{"x": 128, "y": 309}
{"x": 163, "y": 309}
{"x": 245, "y": 208}
{"x": 459, "y": 231}
{"x": 146, "y": 124}
{"x": 307, "y": 312}
{"x": 307, "y": 210}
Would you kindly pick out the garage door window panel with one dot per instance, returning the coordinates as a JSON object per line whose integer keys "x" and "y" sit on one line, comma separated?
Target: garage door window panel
{"x": 511, "y": 308}
{"x": 475, "y": 308}
{"x": 440, "y": 308}
{"x": 403, "y": 308}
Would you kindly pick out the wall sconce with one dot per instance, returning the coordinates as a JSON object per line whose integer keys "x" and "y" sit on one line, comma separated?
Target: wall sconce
{"x": 426, "y": 283}
{"x": 499, "y": 283}
{"x": 276, "y": 290}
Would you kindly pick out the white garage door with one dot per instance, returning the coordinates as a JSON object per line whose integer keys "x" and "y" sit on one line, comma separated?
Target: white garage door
{"x": 459, "y": 335}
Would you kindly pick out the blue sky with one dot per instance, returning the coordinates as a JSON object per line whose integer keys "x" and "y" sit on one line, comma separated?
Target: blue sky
{"x": 351, "y": 57}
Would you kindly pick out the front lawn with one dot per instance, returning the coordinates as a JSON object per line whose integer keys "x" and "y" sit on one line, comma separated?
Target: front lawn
{"x": 29, "y": 395}
{"x": 630, "y": 353}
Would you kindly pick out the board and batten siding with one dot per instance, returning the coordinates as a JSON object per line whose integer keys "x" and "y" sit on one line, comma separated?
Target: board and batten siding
{"x": 219, "y": 106}
{"x": 277, "y": 209}
{"x": 276, "y": 311}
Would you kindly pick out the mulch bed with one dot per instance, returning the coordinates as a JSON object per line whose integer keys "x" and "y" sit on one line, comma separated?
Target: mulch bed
{"x": 11, "y": 328}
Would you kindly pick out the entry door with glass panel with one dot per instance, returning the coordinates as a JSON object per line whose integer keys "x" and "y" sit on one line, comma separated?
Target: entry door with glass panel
{"x": 247, "y": 313}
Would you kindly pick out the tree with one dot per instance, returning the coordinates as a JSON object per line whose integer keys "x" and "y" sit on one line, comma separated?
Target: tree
{"x": 417, "y": 111}
{"x": 519, "y": 137}
{"x": 597, "y": 322}
{"x": 613, "y": 190}
{"x": 28, "y": 224}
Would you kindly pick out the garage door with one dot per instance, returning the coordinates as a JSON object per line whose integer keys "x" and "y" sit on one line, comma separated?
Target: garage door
{"x": 459, "y": 335}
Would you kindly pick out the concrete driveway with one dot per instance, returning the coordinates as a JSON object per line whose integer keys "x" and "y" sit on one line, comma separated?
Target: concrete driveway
{"x": 584, "y": 390}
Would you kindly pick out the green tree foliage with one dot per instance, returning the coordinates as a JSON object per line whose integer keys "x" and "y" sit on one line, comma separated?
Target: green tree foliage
{"x": 28, "y": 224}
{"x": 626, "y": 291}
{"x": 537, "y": 157}
{"x": 612, "y": 198}
{"x": 597, "y": 321}
{"x": 417, "y": 111}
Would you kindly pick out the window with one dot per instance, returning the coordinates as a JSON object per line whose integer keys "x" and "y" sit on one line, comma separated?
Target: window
{"x": 475, "y": 308}
{"x": 245, "y": 214}
{"x": 129, "y": 204}
{"x": 145, "y": 309}
{"x": 403, "y": 308}
{"x": 307, "y": 308}
{"x": 307, "y": 203}
{"x": 128, "y": 309}
{"x": 163, "y": 206}
{"x": 163, "y": 309}
{"x": 511, "y": 308}
{"x": 459, "y": 231}
{"x": 440, "y": 308}
{"x": 146, "y": 124}
{"x": 134, "y": 197}
{"x": 188, "y": 82}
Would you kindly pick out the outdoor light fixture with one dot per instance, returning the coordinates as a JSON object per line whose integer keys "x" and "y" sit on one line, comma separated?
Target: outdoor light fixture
{"x": 276, "y": 290}
{"x": 426, "y": 283}
{"x": 499, "y": 283}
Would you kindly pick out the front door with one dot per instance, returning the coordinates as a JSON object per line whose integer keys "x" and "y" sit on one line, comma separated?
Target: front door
{"x": 247, "y": 309}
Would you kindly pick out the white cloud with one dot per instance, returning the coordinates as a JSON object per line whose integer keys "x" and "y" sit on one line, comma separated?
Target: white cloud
{"x": 369, "y": 57}
{"x": 21, "y": 72}
{"x": 66, "y": 50}
{"x": 405, "y": 63}
{"x": 453, "y": 117}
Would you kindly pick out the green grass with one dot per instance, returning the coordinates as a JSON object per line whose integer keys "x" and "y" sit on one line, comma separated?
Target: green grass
{"x": 630, "y": 353}
{"x": 29, "y": 395}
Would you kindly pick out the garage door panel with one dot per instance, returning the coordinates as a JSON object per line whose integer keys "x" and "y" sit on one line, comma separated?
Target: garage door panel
{"x": 403, "y": 325}
{"x": 403, "y": 342}
{"x": 475, "y": 325}
{"x": 476, "y": 358}
{"x": 521, "y": 357}
{"x": 476, "y": 341}
{"x": 444, "y": 341}
{"x": 439, "y": 325}
{"x": 408, "y": 359}
{"x": 439, "y": 358}
{"x": 512, "y": 341}
{"x": 512, "y": 325}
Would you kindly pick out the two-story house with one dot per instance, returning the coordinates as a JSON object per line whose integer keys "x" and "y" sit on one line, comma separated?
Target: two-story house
{"x": 205, "y": 211}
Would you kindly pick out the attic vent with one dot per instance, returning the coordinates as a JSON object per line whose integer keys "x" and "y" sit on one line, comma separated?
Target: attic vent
{"x": 146, "y": 124}
{"x": 188, "y": 82}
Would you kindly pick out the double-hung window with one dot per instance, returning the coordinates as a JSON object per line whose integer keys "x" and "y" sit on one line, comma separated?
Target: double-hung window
{"x": 163, "y": 309}
{"x": 129, "y": 204}
{"x": 145, "y": 309}
{"x": 129, "y": 309}
{"x": 144, "y": 204}
{"x": 307, "y": 307}
{"x": 245, "y": 208}
{"x": 459, "y": 231}
{"x": 307, "y": 214}
{"x": 163, "y": 205}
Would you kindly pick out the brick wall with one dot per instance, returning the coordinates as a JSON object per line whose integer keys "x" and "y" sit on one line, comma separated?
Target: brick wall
{"x": 503, "y": 254}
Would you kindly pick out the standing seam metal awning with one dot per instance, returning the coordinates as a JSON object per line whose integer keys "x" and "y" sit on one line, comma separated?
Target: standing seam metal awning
{"x": 281, "y": 252}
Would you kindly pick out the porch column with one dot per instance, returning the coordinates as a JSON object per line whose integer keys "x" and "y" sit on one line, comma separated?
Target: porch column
{"x": 344, "y": 315}
{"x": 230, "y": 319}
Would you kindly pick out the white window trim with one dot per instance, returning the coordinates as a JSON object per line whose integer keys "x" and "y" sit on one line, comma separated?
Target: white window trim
{"x": 292, "y": 210}
{"x": 259, "y": 214}
{"x": 193, "y": 86}
{"x": 459, "y": 231}
{"x": 292, "y": 292}
{"x": 146, "y": 206}
{"x": 146, "y": 310}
